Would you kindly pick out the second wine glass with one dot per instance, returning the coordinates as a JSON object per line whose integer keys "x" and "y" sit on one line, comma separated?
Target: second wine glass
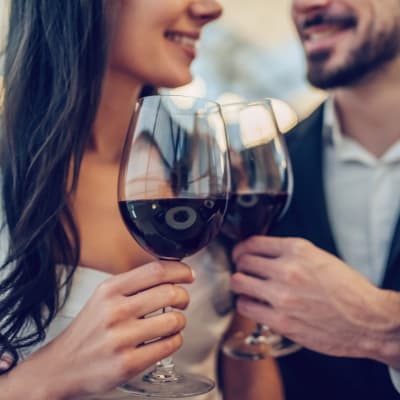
{"x": 261, "y": 189}
{"x": 173, "y": 191}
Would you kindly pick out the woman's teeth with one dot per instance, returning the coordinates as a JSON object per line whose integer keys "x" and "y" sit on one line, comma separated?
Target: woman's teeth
{"x": 181, "y": 39}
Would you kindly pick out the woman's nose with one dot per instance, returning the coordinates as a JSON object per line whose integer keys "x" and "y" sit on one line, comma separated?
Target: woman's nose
{"x": 205, "y": 10}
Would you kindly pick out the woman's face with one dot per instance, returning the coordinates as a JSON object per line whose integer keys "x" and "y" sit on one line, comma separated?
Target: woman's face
{"x": 154, "y": 41}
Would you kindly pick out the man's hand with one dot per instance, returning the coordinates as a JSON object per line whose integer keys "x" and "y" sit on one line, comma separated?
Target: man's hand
{"x": 315, "y": 299}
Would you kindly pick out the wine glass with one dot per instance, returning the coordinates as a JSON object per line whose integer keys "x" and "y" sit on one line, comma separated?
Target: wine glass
{"x": 173, "y": 192}
{"x": 261, "y": 189}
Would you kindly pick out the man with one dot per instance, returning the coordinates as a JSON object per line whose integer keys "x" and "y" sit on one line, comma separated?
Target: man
{"x": 346, "y": 163}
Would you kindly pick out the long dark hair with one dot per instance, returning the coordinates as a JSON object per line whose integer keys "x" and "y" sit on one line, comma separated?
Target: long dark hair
{"x": 54, "y": 67}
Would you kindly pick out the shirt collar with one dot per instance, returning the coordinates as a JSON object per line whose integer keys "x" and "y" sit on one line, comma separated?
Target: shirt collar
{"x": 347, "y": 149}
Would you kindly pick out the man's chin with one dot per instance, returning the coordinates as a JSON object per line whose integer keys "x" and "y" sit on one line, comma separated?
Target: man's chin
{"x": 317, "y": 58}
{"x": 325, "y": 80}
{"x": 323, "y": 74}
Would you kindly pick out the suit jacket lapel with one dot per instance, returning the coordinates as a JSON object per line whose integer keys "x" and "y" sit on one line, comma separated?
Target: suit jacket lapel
{"x": 307, "y": 216}
{"x": 392, "y": 274}
{"x": 309, "y": 205}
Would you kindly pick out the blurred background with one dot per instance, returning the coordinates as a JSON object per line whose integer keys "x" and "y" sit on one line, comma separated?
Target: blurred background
{"x": 250, "y": 53}
{"x": 253, "y": 52}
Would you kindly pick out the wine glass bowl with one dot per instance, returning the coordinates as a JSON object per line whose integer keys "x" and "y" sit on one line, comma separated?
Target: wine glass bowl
{"x": 173, "y": 190}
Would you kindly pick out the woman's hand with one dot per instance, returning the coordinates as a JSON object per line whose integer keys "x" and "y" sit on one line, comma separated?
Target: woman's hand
{"x": 104, "y": 345}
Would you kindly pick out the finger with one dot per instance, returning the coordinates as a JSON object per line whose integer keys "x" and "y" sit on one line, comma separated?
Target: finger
{"x": 261, "y": 267}
{"x": 136, "y": 332}
{"x": 258, "y": 289}
{"x": 268, "y": 246}
{"x": 259, "y": 312}
{"x": 277, "y": 321}
{"x": 138, "y": 359}
{"x": 149, "y": 275}
{"x": 150, "y": 300}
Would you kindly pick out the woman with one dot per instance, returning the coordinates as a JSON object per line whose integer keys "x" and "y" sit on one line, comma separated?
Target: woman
{"x": 73, "y": 72}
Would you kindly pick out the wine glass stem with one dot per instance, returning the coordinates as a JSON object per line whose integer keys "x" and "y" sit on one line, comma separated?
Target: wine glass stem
{"x": 258, "y": 334}
{"x": 259, "y": 329}
{"x": 164, "y": 370}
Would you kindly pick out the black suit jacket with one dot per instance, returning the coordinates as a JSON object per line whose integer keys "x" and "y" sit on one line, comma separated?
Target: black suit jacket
{"x": 308, "y": 375}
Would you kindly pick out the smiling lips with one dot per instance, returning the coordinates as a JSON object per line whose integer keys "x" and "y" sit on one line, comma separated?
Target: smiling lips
{"x": 320, "y": 32}
{"x": 188, "y": 41}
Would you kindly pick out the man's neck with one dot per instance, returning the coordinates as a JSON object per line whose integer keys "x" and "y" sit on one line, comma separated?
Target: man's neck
{"x": 370, "y": 112}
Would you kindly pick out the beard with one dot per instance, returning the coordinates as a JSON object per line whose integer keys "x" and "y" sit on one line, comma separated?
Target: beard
{"x": 361, "y": 62}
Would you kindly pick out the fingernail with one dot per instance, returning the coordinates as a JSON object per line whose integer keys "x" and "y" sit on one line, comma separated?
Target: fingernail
{"x": 193, "y": 274}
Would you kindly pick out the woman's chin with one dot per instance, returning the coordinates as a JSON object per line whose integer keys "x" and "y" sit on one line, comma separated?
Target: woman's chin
{"x": 178, "y": 80}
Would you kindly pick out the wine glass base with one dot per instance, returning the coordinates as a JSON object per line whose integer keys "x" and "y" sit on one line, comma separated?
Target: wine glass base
{"x": 284, "y": 348}
{"x": 251, "y": 347}
{"x": 186, "y": 385}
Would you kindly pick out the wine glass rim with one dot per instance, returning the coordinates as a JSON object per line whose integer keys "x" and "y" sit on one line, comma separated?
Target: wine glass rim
{"x": 267, "y": 100}
{"x": 166, "y": 95}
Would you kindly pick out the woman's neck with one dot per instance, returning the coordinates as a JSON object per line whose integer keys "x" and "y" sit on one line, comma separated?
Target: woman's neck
{"x": 117, "y": 102}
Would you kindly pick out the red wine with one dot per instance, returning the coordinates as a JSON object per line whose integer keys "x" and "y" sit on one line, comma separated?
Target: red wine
{"x": 173, "y": 228}
{"x": 252, "y": 214}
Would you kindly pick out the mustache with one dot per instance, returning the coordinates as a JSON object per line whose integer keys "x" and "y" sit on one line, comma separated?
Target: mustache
{"x": 345, "y": 21}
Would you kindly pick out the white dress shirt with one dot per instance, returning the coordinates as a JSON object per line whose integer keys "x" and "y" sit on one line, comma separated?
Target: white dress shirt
{"x": 363, "y": 201}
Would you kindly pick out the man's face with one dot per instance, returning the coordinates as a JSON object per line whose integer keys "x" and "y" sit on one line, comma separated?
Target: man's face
{"x": 346, "y": 40}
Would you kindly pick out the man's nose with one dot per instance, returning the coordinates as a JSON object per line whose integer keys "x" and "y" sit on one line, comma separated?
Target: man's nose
{"x": 306, "y": 6}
